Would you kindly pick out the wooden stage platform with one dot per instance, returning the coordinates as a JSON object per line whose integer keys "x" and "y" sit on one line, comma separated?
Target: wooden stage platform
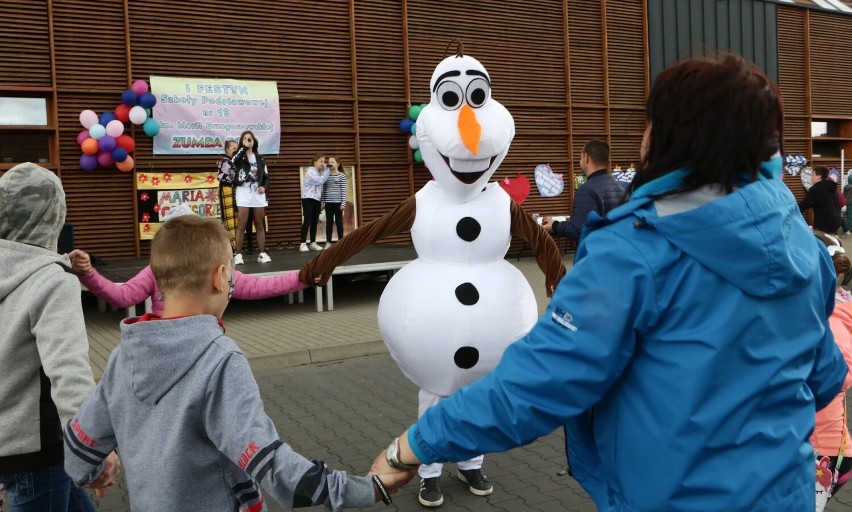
{"x": 375, "y": 258}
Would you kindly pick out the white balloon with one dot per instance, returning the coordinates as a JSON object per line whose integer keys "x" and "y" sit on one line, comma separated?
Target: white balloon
{"x": 114, "y": 128}
{"x": 412, "y": 142}
{"x": 138, "y": 115}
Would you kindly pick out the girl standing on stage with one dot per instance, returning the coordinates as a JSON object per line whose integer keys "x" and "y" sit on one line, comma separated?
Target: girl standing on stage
{"x": 251, "y": 182}
{"x": 334, "y": 199}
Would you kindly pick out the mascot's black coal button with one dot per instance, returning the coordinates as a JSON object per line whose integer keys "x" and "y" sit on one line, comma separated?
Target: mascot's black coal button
{"x": 466, "y": 357}
{"x": 468, "y": 229}
{"x": 467, "y": 294}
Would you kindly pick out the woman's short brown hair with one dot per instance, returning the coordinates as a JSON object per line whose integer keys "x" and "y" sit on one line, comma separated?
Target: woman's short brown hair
{"x": 185, "y": 250}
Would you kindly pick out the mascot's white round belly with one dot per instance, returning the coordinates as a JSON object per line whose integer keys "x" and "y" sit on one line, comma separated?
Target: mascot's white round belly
{"x": 448, "y": 316}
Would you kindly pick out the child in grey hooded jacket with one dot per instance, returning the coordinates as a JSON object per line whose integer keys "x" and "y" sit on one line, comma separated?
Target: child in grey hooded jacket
{"x": 180, "y": 403}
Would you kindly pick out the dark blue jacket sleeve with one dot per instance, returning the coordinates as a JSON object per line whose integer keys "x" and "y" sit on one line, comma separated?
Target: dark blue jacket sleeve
{"x": 583, "y": 204}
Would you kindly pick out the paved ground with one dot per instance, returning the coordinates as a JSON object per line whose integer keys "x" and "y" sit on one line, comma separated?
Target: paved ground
{"x": 334, "y": 394}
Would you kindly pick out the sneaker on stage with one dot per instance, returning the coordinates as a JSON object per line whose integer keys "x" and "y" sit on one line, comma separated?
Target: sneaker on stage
{"x": 238, "y": 259}
{"x": 263, "y": 258}
{"x": 315, "y": 246}
{"x": 476, "y": 481}
{"x": 327, "y": 245}
{"x": 430, "y": 492}
{"x": 303, "y": 247}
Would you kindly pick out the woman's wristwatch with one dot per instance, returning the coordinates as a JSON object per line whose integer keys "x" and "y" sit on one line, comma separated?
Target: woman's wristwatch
{"x": 392, "y": 457}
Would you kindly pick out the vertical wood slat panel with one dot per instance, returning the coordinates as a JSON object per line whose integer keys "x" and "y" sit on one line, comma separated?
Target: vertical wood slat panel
{"x": 25, "y": 43}
{"x": 312, "y": 63}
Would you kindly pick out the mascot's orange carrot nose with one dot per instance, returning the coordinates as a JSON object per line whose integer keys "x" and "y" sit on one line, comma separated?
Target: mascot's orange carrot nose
{"x": 469, "y": 128}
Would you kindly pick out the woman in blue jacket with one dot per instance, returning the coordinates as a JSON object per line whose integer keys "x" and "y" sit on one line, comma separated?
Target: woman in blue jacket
{"x": 688, "y": 349}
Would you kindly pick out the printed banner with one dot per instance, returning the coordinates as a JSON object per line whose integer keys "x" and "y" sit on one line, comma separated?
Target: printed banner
{"x": 197, "y": 115}
{"x": 158, "y": 192}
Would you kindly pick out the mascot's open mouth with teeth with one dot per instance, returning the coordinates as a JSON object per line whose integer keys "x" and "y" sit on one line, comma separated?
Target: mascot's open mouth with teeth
{"x": 468, "y": 177}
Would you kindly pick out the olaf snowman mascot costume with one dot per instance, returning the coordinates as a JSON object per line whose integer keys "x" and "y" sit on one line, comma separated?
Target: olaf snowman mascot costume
{"x": 447, "y": 316}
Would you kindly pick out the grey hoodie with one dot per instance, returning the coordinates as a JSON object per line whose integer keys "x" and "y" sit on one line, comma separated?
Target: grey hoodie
{"x": 44, "y": 351}
{"x": 179, "y": 401}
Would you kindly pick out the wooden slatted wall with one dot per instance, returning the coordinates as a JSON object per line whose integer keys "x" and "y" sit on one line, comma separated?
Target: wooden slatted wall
{"x": 792, "y": 79}
{"x": 346, "y": 71}
{"x": 26, "y": 47}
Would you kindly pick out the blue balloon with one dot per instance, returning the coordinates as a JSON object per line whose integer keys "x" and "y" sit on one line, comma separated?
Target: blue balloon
{"x": 151, "y": 127}
{"x": 96, "y": 131}
{"x": 105, "y": 118}
{"x": 119, "y": 154}
{"x": 413, "y": 129}
{"x": 129, "y": 97}
{"x": 405, "y": 125}
{"x": 147, "y": 100}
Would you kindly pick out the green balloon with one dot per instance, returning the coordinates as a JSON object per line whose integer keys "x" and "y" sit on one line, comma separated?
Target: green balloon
{"x": 414, "y": 129}
{"x": 414, "y": 111}
{"x": 150, "y": 127}
{"x": 422, "y": 106}
{"x": 418, "y": 157}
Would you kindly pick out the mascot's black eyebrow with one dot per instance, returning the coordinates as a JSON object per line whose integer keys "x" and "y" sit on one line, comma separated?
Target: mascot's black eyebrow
{"x": 480, "y": 73}
{"x": 443, "y": 76}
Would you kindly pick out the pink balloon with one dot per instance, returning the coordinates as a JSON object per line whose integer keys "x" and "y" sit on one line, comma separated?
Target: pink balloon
{"x": 105, "y": 159}
{"x": 139, "y": 87}
{"x": 88, "y": 118}
{"x": 82, "y": 136}
{"x": 114, "y": 128}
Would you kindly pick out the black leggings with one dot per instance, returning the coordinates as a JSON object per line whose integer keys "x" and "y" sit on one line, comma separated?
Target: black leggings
{"x": 310, "y": 218}
{"x": 333, "y": 213}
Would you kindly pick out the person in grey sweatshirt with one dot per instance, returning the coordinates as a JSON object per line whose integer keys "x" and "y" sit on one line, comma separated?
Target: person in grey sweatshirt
{"x": 180, "y": 403}
{"x": 44, "y": 350}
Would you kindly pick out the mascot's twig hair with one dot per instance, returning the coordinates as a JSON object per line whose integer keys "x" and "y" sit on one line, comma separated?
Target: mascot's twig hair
{"x": 459, "y": 48}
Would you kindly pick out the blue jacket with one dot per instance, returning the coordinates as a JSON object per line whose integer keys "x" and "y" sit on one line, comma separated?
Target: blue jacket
{"x": 600, "y": 194}
{"x": 686, "y": 354}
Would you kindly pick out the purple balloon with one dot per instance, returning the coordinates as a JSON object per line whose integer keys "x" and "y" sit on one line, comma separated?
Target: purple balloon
{"x": 82, "y": 136}
{"x": 119, "y": 154}
{"x": 147, "y": 100}
{"x": 106, "y": 143}
{"x": 129, "y": 97}
{"x": 105, "y": 159}
{"x": 88, "y": 162}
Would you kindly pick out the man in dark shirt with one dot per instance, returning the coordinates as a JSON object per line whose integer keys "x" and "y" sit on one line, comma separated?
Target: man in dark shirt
{"x": 600, "y": 193}
{"x": 822, "y": 197}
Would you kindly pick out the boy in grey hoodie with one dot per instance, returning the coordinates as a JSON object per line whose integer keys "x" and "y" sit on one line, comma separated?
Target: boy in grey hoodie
{"x": 179, "y": 401}
{"x": 44, "y": 352}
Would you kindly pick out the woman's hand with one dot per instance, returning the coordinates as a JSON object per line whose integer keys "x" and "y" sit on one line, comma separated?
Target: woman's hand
{"x": 261, "y": 190}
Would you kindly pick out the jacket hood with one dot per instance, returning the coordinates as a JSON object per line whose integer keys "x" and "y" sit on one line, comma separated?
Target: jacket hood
{"x": 754, "y": 238}
{"x": 32, "y": 206}
{"x": 20, "y": 261}
{"x": 159, "y": 353}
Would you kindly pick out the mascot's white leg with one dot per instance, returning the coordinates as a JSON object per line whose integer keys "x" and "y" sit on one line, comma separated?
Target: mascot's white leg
{"x": 427, "y": 400}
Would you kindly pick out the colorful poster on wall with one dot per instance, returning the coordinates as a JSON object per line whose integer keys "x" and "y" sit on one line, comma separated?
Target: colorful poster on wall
{"x": 197, "y": 115}
{"x": 158, "y": 192}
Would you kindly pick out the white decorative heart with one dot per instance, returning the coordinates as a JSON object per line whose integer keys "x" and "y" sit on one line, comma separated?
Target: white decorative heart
{"x": 549, "y": 184}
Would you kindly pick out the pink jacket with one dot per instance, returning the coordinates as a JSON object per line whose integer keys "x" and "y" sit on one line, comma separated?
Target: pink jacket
{"x": 831, "y": 421}
{"x": 142, "y": 285}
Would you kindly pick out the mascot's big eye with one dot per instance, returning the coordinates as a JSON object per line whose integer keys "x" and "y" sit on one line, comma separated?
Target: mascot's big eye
{"x": 449, "y": 95}
{"x": 477, "y": 92}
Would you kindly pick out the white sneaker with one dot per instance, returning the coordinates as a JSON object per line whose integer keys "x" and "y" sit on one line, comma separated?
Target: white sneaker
{"x": 315, "y": 246}
{"x": 327, "y": 245}
{"x": 238, "y": 259}
{"x": 303, "y": 248}
{"x": 263, "y": 258}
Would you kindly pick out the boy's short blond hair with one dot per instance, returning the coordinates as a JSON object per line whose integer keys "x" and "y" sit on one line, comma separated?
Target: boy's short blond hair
{"x": 185, "y": 250}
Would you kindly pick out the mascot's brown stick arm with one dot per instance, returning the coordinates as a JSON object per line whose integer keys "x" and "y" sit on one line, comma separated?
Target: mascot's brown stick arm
{"x": 394, "y": 222}
{"x": 546, "y": 252}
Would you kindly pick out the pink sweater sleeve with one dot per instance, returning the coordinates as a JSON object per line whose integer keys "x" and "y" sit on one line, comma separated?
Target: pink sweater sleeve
{"x": 136, "y": 290}
{"x": 251, "y": 287}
